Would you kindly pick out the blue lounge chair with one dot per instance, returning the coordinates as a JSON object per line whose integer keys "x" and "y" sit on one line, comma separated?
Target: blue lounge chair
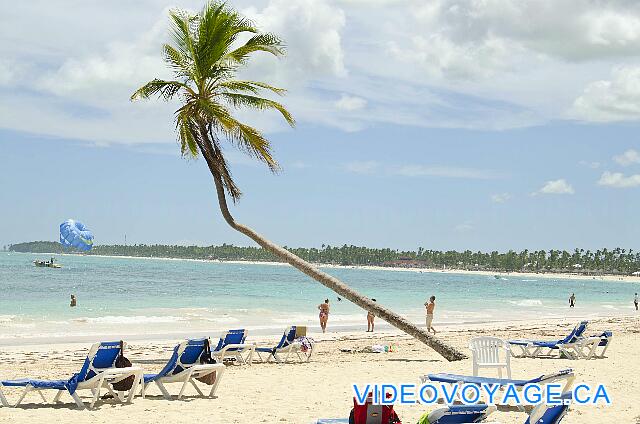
{"x": 538, "y": 348}
{"x": 462, "y": 414}
{"x": 232, "y": 344}
{"x": 286, "y": 346}
{"x": 604, "y": 340}
{"x": 566, "y": 375}
{"x": 98, "y": 371}
{"x": 184, "y": 367}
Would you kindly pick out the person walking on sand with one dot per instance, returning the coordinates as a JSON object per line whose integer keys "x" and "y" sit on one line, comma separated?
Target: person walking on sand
{"x": 635, "y": 301}
{"x": 572, "y": 300}
{"x": 431, "y": 306}
{"x": 324, "y": 314}
{"x": 370, "y": 318}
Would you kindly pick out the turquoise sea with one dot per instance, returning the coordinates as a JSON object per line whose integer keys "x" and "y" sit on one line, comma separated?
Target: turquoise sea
{"x": 155, "y": 298}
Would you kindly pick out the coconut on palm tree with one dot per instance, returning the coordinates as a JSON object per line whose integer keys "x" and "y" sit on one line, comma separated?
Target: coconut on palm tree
{"x": 205, "y": 54}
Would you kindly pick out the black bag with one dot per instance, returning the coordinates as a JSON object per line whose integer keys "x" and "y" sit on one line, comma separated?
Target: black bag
{"x": 122, "y": 362}
{"x": 206, "y": 358}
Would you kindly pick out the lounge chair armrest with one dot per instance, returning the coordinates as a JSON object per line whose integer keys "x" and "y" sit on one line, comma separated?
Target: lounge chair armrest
{"x": 204, "y": 367}
{"x": 236, "y": 346}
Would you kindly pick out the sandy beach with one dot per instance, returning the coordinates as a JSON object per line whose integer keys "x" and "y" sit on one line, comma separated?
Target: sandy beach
{"x": 301, "y": 393}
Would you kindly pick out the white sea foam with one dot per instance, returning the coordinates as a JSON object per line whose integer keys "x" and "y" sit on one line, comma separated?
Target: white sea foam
{"x": 526, "y": 302}
{"x": 129, "y": 319}
{"x": 7, "y": 318}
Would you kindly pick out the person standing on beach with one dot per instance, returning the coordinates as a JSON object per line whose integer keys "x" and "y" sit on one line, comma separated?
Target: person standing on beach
{"x": 572, "y": 300}
{"x": 635, "y": 301}
{"x": 431, "y": 306}
{"x": 324, "y": 314}
{"x": 370, "y": 318}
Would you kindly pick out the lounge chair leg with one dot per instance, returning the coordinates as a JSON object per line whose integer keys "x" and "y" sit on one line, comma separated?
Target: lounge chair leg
{"x": 195, "y": 386}
{"x": 134, "y": 388}
{"x": 44, "y": 399}
{"x": 26, "y": 390}
{"x": 96, "y": 394}
{"x": 164, "y": 391}
{"x": 184, "y": 386}
{"x": 77, "y": 400}
{"x": 3, "y": 400}
{"x": 214, "y": 387}
{"x": 56, "y": 399}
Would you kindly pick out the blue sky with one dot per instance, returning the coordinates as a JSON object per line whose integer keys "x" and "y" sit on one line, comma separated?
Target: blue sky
{"x": 444, "y": 125}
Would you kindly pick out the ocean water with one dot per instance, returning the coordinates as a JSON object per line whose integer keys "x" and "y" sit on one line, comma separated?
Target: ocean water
{"x": 155, "y": 298}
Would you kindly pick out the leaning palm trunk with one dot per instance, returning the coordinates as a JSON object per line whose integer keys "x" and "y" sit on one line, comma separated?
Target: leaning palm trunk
{"x": 448, "y": 352}
{"x": 205, "y": 58}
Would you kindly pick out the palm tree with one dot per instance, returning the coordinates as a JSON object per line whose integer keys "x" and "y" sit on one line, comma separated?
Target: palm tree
{"x": 205, "y": 56}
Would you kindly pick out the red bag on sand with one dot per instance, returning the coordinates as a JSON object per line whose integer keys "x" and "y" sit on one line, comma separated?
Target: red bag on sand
{"x": 373, "y": 414}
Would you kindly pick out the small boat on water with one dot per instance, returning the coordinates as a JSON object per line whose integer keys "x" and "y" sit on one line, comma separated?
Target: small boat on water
{"x": 46, "y": 264}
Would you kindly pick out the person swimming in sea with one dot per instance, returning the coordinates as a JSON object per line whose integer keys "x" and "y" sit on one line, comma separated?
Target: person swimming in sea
{"x": 324, "y": 314}
{"x": 74, "y": 301}
{"x": 370, "y": 318}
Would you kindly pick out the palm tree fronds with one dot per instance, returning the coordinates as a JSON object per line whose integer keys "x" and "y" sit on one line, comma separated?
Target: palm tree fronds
{"x": 164, "y": 89}
{"x": 265, "y": 42}
{"x": 260, "y": 103}
{"x": 187, "y": 133}
{"x": 252, "y": 86}
{"x": 180, "y": 64}
{"x": 252, "y": 142}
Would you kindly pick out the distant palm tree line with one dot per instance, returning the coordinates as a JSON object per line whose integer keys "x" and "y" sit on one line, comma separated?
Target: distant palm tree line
{"x": 602, "y": 261}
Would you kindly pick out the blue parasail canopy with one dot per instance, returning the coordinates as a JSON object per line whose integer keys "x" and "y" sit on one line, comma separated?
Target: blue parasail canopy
{"x": 75, "y": 234}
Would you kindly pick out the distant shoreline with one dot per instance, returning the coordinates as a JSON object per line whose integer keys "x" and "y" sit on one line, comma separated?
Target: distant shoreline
{"x": 547, "y": 275}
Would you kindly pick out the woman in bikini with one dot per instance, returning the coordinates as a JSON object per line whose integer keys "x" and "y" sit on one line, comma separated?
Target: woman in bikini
{"x": 324, "y": 314}
{"x": 370, "y": 318}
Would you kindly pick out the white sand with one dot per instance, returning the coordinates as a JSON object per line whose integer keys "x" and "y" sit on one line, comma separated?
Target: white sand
{"x": 299, "y": 393}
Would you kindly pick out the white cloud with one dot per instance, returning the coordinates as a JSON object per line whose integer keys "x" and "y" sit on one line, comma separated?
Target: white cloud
{"x": 350, "y": 103}
{"x": 490, "y": 64}
{"x": 7, "y": 74}
{"x": 500, "y": 197}
{"x": 560, "y": 186}
{"x": 445, "y": 171}
{"x": 361, "y": 167}
{"x": 463, "y": 227}
{"x": 312, "y": 31}
{"x": 592, "y": 165}
{"x": 629, "y": 157}
{"x": 300, "y": 165}
{"x": 619, "y": 180}
{"x": 85, "y": 94}
{"x": 617, "y": 99}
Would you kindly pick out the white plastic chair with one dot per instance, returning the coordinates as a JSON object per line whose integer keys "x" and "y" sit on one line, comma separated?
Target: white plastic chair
{"x": 486, "y": 354}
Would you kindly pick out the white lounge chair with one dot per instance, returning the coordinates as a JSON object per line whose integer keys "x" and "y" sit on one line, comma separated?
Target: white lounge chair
{"x": 490, "y": 352}
{"x": 98, "y": 372}
{"x": 538, "y": 348}
{"x": 232, "y": 344}
{"x": 587, "y": 347}
{"x": 286, "y": 346}
{"x": 461, "y": 414}
{"x": 566, "y": 375}
{"x": 184, "y": 367}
